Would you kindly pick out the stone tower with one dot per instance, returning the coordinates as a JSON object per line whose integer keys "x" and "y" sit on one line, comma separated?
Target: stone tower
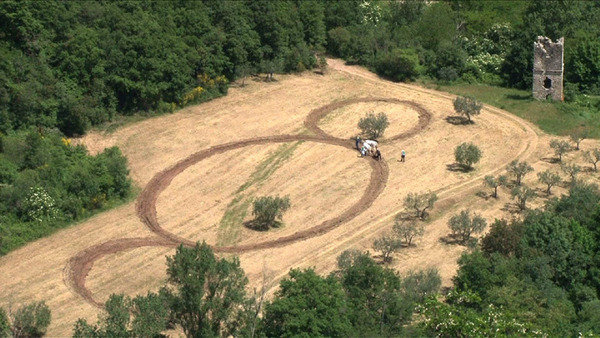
{"x": 548, "y": 69}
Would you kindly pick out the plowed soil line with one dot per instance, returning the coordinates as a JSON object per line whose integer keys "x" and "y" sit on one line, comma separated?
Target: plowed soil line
{"x": 80, "y": 265}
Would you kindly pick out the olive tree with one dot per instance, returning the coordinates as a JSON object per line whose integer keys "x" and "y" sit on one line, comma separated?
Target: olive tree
{"x": 494, "y": 183}
{"x": 519, "y": 170}
{"x": 408, "y": 229}
{"x": 549, "y": 178}
{"x": 373, "y": 126}
{"x": 593, "y": 157}
{"x": 572, "y": 170}
{"x": 560, "y": 148}
{"x": 577, "y": 137}
{"x": 467, "y": 154}
{"x": 268, "y": 210}
{"x": 463, "y": 225}
{"x": 522, "y": 194}
{"x": 420, "y": 203}
{"x": 387, "y": 244}
{"x": 467, "y": 106}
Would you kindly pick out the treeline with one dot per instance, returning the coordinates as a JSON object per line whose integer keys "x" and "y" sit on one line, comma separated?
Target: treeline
{"x": 74, "y": 64}
{"x": 474, "y": 41}
{"x": 46, "y": 183}
{"x": 207, "y": 296}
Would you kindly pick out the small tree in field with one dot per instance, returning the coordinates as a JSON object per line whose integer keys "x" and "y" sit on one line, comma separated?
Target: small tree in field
{"x": 519, "y": 169}
{"x": 322, "y": 64}
{"x": 494, "y": 183}
{"x": 463, "y": 225}
{"x": 578, "y": 136}
{"x": 242, "y": 72}
{"x": 467, "y": 154}
{"x": 549, "y": 178}
{"x": 572, "y": 170}
{"x": 408, "y": 229}
{"x": 268, "y": 210}
{"x": 522, "y": 194}
{"x": 373, "y": 126}
{"x": 387, "y": 244}
{"x": 560, "y": 148}
{"x": 467, "y": 106}
{"x": 420, "y": 203}
{"x": 593, "y": 157}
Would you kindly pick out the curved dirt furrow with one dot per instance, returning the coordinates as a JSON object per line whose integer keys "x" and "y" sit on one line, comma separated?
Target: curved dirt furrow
{"x": 313, "y": 118}
{"x": 79, "y": 266}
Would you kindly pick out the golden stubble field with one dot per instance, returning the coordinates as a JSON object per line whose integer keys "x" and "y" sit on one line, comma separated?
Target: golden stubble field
{"x": 211, "y": 198}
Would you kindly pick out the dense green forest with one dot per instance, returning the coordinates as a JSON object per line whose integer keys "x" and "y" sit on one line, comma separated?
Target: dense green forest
{"x": 46, "y": 183}
{"x": 75, "y": 64}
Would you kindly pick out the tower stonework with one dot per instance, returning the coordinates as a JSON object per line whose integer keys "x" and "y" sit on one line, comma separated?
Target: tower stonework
{"x": 548, "y": 69}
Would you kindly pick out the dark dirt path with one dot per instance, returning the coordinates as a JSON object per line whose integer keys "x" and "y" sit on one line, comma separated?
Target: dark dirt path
{"x": 80, "y": 265}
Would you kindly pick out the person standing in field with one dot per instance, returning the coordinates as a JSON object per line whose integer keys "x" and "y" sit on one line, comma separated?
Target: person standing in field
{"x": 357, "y": 142}
{"x": 403, "y": 156}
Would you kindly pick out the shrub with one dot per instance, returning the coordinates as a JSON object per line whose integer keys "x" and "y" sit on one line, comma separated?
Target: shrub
{"x": 31, "y": 320}
{"x": 268, "y": 210}
{"x": 503, "y": 238}
{"x": 4, "y": 324}
{"x": 593, "y": 157}
{"x": 447, "y": 74}
{"x": 549, "y": 178}
{"x": 387, "y": 244}
{"x": 408, "y": 229}
{"x": 519, "y": 169}
{"x": 420, "y": 203}
{"x": 373, "y": 126}
{"x": 463, "y": 225}
{"x": 494, "y": 183}
{"x": 467, "y": 154}
{"x": 398, "y": 65}
{"x": 522, "y": 194}
{"x": 467, "y": 106}
{"x": 560, "y": 148}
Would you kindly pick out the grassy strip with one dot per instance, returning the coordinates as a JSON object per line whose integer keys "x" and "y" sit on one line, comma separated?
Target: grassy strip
{"x": 230, "y": 225}
{"x": 552, "y": 117}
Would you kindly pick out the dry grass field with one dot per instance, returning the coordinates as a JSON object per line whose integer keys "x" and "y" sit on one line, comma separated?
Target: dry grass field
{"x": 195, "y": 189}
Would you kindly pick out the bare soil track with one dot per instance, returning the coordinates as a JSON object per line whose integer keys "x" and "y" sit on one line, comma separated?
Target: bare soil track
{"x": 80, "y": 265}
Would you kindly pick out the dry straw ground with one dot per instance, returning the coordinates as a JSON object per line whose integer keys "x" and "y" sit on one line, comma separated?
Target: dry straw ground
{"x": 200, "y": 168}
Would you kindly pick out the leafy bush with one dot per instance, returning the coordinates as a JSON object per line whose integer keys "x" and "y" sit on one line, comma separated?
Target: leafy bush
{"x": 398, "y": 65}
{"x": 31, "y": 320}
{"x": 467, "y": 154}
{"x": 373, "y": 126}
{"x": 268, "y": 210}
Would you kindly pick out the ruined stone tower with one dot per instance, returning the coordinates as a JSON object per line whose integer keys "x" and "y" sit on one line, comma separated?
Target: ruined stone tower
{"x": 548, "y": 69}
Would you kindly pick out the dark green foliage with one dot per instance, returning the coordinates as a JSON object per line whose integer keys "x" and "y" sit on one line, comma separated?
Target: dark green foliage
{"x": 268, "y": 211}
{"x": 503, "y": 237}
{"x": 205, "y": 294}
{"x": 74, "y": 65}
{"x": 4, "y": 324}
{"x": 398, "y": 65}
{"x": 31, "y": 320}
{"x": 45, "y": 183}
{"x": 373, "y": 126}
{"x": 307, "y": 304}
{"x": 143, "y": 316}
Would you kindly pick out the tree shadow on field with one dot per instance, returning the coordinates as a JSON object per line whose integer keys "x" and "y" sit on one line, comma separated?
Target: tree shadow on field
{"x": 512, "y": 208}
{"x": 262, "y": 227}
{"x": 483, "y": 195}
{"x": 451, "y": 239}
{"x": 551, "y": 160}
{"x": 458, "y": 120}
{"x": 457, "y": 167}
